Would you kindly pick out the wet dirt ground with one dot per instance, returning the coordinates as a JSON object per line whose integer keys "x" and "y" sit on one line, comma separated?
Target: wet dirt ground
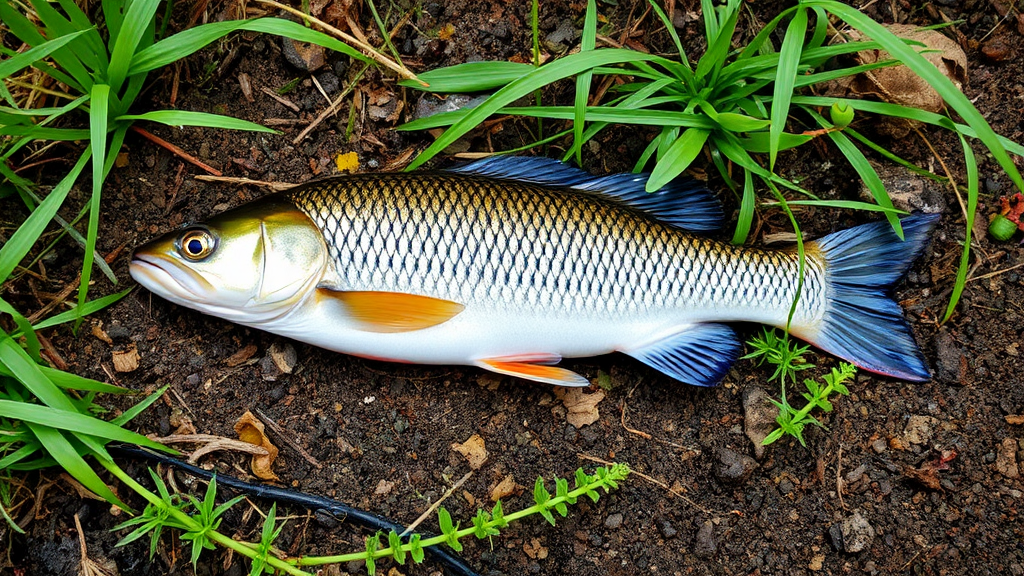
{"x": 907, "y": 478}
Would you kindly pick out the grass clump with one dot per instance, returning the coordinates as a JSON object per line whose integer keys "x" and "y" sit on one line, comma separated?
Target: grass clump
{"x": 732, "y": 103}
{"x": 788, "y": 359}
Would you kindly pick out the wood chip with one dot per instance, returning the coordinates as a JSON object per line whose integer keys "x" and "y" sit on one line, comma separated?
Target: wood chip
{"x": 582, "y": 407}
{"x": 474, "y": 451}
{"x": 504, "y": 489}
{"x": 241, "y": 356}
{"x": 126, "y": 360}
{"x": 1016, "y": 419}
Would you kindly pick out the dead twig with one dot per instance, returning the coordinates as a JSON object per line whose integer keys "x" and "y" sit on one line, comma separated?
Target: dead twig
{"x": 175, "y": 150}
{"x": 654, "y": 481}
{"x": 286, "y": 437}
{"x": 434, "y": 506}
{"x": 211, "y": 443}
{"x": 235, "y": 180}
{"x": 349, "y": 39}
{"x": 281, "y": 99}
{"x": 332, "y": 108}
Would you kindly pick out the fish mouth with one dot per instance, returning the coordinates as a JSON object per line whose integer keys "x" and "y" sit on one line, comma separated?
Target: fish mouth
{"x": 169, "y": 279}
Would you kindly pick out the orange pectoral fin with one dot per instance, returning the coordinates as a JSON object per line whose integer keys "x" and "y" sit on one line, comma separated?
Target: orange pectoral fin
{"x": 390, "y": 312}
{"x": 545, "y": 374}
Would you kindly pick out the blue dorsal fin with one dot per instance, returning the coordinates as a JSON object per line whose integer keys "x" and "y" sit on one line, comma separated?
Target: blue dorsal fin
{"x": 699, "y": 356}
{"x": 684, "y": 203}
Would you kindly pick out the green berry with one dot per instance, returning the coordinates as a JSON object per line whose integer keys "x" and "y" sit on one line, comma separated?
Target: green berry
{"x": 1002, "y": 228}
{"x": 841, "y": 114}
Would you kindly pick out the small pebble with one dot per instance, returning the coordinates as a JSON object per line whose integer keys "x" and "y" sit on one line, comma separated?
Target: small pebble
{"x": 733, "y": 467}
{"x": 852, "y": 534}
{"x": 666, "y": 528}
{"x": 879, "y": 445}
{"x": 613, "y": 521}
{"x": 705, "y": 545}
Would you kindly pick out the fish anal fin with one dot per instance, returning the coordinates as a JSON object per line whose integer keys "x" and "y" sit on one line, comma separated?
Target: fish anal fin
{"x": 536, "y": 372}
{"x": 700, "y": 355}
{"x": 392, "y": 312}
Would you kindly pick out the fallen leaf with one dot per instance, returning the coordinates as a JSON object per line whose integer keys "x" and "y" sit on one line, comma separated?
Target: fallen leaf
{"x": 582, "y": 407}
{"x": 899, "y": 84}
{"x": 97, "y": 331}
{"x": 534, "y": 550}
{"x": 250, "y": 430}
{"x": 241, "y": 356}
{"x": 126, "y": 360}
{"x": 504, "y": 489}
{"x": 384, "y": 488}
{"x": 474, "y": 451}
{"x": 1016, "y": 419}
{"x": 348, "y": 162}
{"x": 470, "y": 499}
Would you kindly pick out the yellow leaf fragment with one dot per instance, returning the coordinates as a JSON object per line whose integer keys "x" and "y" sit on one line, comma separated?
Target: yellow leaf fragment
{"x": 347, "y": 162}
{"x": 474, "y": 451}
{"x": 250, "y": 430}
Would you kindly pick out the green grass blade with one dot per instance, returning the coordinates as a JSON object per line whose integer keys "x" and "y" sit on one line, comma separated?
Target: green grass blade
{"x": 18, "y": 245}
{"x": 678, "y": 158}
{"x": 672, "y": 32}
{"x": 746, "y": 217}
{"x": 470, "y": 77}
{"x": 820, "y": 29}
{"x": 129, "y": 414}
{"x": 137, "y": 20}
{"x": 927, "y": 71}
{"x": 81, "y": 49}
{"x": 893, "y": 157}
{"x": 12, "y": 65}
{"x": 763, "y": 35}
{"x": 113, "y": 15}
{"x": 189, "y": 41}
{"x": 24, "y": 328}
{"x": 90, "y": 307}
{"x": 65, "y": 454}
{"x": 649, "y": 151}
{"x": 758, "y": 142}
{"x": 707, "y": 9}
{"x": 785, "y": 78}
{"x": 909, "y": 113}
{"x": 71, "y": 381}
{"x": 844, "y": 204}
{"x": 44, "y": 133}
{"x": 98, "y": 143}
{"x": 568, "y": 66}
{"x": 972, "y": 207}
{"x": 188, "y": 118}
{"x": 864, "y": 169}
{"x": 718, "y": 47}
{"x": 21, "y": 366}
{"x": 73, "y": 422}
{"x": 588, "y": 42}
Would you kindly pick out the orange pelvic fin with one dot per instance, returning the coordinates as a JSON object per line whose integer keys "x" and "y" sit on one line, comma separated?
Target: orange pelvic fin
{"x": 531, "y": 371}
{"x": 391, "y": 312}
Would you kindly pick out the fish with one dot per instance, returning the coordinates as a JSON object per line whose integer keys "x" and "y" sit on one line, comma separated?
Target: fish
{"x": 513, "y": 263}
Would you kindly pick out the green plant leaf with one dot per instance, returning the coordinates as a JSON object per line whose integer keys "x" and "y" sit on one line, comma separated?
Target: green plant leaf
{"x": 64, "y": 453}
{"x": 13, "y": 64}
{"x": 678, "y": 158}
{"x": 189, "y": 41}
{"x": 73, "y": 422}
{"x": 785, "y": 79}
{"x": 588, "y": 42}
{"x": 573, "y": 64}
{"x": 470, "y": 77}
{"x": 189, "y": 118}
{"x": 746, "y": 216}
{"x": 972, "y": 207}
{"x": 136, "y": 21}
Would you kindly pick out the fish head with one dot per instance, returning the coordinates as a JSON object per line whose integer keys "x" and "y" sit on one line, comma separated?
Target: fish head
{"x": 249, "y": 265}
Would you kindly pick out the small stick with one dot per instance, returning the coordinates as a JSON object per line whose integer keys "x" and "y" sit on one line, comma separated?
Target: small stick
{"x": 71, "y": 287}
{"x": 330, "y": 109}
{"x": 654, "y": 481}
{"x": 282, "y": 100}
{"x": 175, "y": 150}
{"x": 243, "y": 181}
{"x": 366, "y": 48}
{"x": 434, "y": 506}
{"x": 996, "y": 273}
{"x": 285, "y": 437}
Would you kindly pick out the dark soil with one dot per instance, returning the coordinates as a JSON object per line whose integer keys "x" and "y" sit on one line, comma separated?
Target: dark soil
{"x": 924, "y": 465}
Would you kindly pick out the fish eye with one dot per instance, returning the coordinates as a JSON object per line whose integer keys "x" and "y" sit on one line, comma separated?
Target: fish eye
{"x": 197, "y": 244}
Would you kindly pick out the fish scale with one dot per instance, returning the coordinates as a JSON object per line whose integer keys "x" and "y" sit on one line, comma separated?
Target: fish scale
{"x": 507, "y": 244}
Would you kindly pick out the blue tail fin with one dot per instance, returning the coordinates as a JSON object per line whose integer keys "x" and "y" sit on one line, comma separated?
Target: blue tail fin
{"x": 862, "y": 323}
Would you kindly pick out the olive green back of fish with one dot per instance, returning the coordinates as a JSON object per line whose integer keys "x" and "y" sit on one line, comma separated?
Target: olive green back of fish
{"x": 511, "y": 245}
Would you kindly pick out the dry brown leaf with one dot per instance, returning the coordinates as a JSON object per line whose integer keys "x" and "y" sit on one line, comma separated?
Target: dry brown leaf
{"x": 1016, "y": 419}
{"x": 534, "y": 550}
{"x": 97, "y": 331}
{"x": 126, "y": 360}
{"x": 250, "y": 430}
{"x": 504, "y": 489}
{"x": 474, "y": 451}
{"x": 384, "y": 488}
{"x": 582, "y": 407}
{"x": 898, "y": 84}
{"x": 241, "y": 356}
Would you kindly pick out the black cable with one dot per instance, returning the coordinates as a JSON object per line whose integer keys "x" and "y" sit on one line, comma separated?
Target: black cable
{"x": 340, "y": 511}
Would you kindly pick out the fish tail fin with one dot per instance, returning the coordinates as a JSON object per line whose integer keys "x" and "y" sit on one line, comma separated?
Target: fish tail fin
{"x": 862, "y": 323}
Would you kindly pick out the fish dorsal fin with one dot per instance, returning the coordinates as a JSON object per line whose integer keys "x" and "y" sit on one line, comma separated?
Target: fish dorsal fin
{"x": 683, "y": 203}
{"x": 390, "y": 312}
{"x": 700, "y": 355}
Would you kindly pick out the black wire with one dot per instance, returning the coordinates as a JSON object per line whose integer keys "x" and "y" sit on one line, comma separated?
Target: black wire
{"x": 340, "y": 511}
